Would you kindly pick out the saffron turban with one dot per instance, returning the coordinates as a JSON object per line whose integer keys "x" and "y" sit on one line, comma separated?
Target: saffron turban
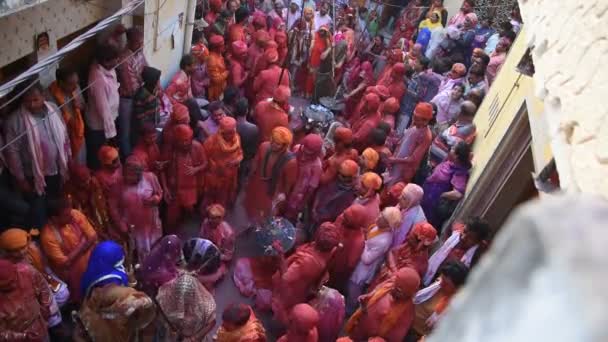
{"x": 107, "y": 155}
{"x": 282, "y": 136}
{"x": 424, "y": 110}
{"x": 282, "y": 94}
{"x": 391, "y": 105}
{"x": 355, "y": 216}
{"x": 227, "y": 124}
{"x": 216, "y": 210}
{"x": 373, "y": 102}
{"x": 371, "y": 158}
{"x": 343, "y": 135}
{"x": 425, "y": 233}
{"x": 14, "y": 239}
{"x": 328, "y": 236}
{"x": 407, "y": 280}
{"x": 349, "y": 168}
{"x": 399, "y": 69}
{"x": 304, "y": 317}
{"x": 370, "y": 180}
{"x": 180, "y": 114}
{"x": 8, "y": 275}
{"x": 392, "y": 215}
{"x": 239, "y": 47}
{"x": 216, "y": 40}
{"x": 459, "y": 70}
{"x": 183, "y": 132}
{"x": 313, "y": 143}
{"x": 271, "y": 55}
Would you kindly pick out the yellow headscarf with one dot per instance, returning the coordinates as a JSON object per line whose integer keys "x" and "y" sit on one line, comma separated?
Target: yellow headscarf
{"x": 427, "y": 23}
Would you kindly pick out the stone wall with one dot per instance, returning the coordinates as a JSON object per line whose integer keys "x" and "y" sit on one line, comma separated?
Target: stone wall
{"x": 571, "y": 59}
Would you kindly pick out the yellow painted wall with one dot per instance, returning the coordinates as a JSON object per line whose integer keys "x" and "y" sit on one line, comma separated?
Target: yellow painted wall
{"x": 509, "y": 93}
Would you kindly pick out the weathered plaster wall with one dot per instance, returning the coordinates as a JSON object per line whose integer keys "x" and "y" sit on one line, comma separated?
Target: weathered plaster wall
{"x": 571, "y": 59}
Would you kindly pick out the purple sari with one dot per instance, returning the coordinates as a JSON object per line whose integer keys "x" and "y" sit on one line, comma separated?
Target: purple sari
{"x": 447, "y": 176}
{"x": 160, "y": 266}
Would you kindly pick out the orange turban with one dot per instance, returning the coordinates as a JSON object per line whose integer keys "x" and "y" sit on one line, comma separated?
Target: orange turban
{"x": 391, "y": 106}
{"x": 424, "y": 110}
{"x": 371, "y": 180}
{"x": 107, "y": 155}
{"x": 227, "y": 123}
{"x": 343, "y": 135}
{"x": 304, "y": 318}
{"x": 180, "y": 114}
{"x": 216, "y": 210}
{"x": 407, "y": 280}
{"x": 281, "y": 135}
{"x": 282, "y": 94}
{"x": 327, "y": 236}
{"x": 349, "y": 168}
{"x": 216, "y": 40}
{"x": 425, "y": 232}
{"x": 371, "y": 158}
{"x": 183, "y": 132}
{"x": 271, "y": 55}
{"x": 14, "y": 239}
{"x": 239, "y": 47}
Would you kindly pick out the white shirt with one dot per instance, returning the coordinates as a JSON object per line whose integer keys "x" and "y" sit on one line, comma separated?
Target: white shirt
{"x": 322, "y": 21}
{"x": 372, "y": 257}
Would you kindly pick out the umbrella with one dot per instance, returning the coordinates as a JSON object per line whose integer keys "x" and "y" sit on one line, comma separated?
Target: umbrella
{"x": 276, "y": 229}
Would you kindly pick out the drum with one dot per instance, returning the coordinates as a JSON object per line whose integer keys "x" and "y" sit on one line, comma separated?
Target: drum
{"x": 276, "y": 229}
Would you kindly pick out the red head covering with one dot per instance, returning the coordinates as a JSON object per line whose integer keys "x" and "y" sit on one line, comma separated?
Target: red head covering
{"x": 262, "y": 36}
{"x": 239, "y": 47}
{"x": 313, "y": 143}
{"x": 396, "y": 190}
{"x": 424, "y": 110}
{"x": 303, "y": 318}
{"x": 391, "y": 105}
{"x": 425, "y": 233}
{"x": 216, "y": 210}
{"x": 271, "y": 45}
{"x": 216, "y": 5}
{"x": 349, "y": 168}
{"x": 216, "y": 40}
{"x": 367, "y": 69}
{"x": 183, "y": 132}
{"x": 282, "y": 94}
{"x": 372, "y": 102}
{"x": 344, "y": 135}
{"x": 79, "y": 173}
{"x": 8, "y": 276}
{"x": 355, "y": 216}
{"x": 180, "y": 114}
{"x": 407, "y": 280}
{"x": 399, "y": 69}
{"x": 14, "y": 239}
{"x": 381, "y": 91}
{"x": 259, "y": 20}
{"x": 107, "y": 154}
{"x": 327, "y": 236}
{"x": 227, "y": 123}
{"x": 271, "y": 55}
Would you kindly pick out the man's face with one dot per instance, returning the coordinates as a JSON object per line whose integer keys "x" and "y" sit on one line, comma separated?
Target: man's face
{"x": 136, "y": 42}
{"x": 34, "y": 101}
{"x": 466, "y": 7}
{"x": 276, "y": 147}
{"x": 184, "y": 144}
{"x": 132, "y": 175}
{"x": 190, "y": 68}
{"x": 110, "y": 64}
{"x": 215, "y": 221}
{"x": 418, "y": 66}
{"x": 229, "y": 135}
{"x": 362, "y": 190}
{"x": 233, "y": 6}
{"x": 114, "y": 165}
{"x": 469, "y": 238}
{"x": 71, "y": 84}
{"x": 404, "y": 202}
{"x": 324, "y": 9}
{"x": 16, "y": 255}
{"x": 65, "y": 216}
{"x": 218, "y": 115}
{"x": 419, "y": 122}
{"x": 293, "y": 7}
{"x": 447, "y": 285}
{"x": 474, "y": 79}
{"x": 344, "y": 179}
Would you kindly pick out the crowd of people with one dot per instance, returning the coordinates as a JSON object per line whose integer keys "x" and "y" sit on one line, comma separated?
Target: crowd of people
{"x": 97, "y": 185}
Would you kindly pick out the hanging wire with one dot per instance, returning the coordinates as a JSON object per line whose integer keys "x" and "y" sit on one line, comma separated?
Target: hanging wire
{"x": 58, "y": 110}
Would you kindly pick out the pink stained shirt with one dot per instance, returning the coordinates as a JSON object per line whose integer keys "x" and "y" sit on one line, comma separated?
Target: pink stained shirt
{"x": 129, "y": 72}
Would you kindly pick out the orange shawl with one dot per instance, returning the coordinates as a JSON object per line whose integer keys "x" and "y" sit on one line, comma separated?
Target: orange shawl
{"x": 389, "y": 320}
{"x": 372, "y": 234}
{"x": 73, "y": 120}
